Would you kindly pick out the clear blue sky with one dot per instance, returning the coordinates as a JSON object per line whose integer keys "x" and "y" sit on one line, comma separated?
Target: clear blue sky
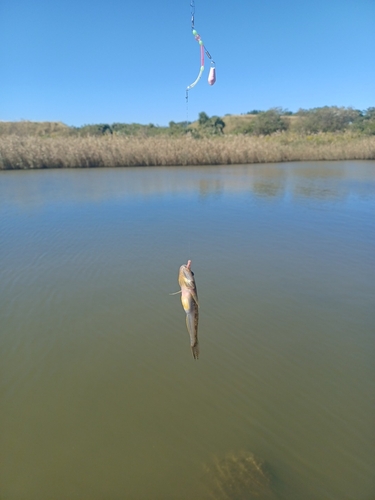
{"x": 81, "y": 61}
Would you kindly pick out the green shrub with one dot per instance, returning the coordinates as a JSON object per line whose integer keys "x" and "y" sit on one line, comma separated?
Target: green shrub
{"x": 210, "y": 126}
{"x": 366, "y": 122}
{"x": 269, "y": 122}
{"x": 326, "y": 119}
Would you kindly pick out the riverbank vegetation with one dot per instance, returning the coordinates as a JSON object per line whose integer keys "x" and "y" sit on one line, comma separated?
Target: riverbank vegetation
{"x": 328, "y": 133}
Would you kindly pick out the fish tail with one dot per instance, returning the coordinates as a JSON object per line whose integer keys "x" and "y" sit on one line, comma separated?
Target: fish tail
{"x": 195, "y": 350}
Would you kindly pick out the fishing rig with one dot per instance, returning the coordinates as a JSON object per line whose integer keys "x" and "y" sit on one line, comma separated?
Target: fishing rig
{"x": 203, "y": 51}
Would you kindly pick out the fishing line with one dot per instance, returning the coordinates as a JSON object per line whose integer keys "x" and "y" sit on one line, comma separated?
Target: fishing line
{"x": 202, "y": 51}
{"x": 211, "y": 79}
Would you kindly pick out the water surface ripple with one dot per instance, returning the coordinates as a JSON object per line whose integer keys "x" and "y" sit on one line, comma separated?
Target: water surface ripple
{"x": 100, "y": 396}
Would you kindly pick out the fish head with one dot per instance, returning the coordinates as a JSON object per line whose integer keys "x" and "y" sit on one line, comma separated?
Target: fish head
{"x": 186, "y": 277}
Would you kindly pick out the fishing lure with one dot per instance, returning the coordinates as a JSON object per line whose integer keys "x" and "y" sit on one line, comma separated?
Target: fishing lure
{"x": 203, "y": 51}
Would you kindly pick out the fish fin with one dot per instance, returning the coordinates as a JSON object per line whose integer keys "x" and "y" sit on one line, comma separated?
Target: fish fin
{"x": 176, "y": 293}
{"x": 195, "y": 296}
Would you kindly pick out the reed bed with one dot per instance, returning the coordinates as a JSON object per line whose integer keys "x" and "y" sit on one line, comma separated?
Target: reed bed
{"x": 118, "y": 151}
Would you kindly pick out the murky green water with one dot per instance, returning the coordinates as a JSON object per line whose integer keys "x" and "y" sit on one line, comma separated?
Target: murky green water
{"x": 100, "y": 396}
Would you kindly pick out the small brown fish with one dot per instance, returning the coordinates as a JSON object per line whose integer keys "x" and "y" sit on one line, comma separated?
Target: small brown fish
{"x": 189, "y": 299}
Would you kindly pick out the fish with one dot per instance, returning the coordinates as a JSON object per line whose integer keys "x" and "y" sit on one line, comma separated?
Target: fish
{"x": 189, "y": 300}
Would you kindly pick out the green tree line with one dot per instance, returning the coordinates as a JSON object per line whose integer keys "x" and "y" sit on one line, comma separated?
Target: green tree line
{"x": 311, "y": 121}
{"x": 256, "y": 122}
{"x": 304, "y": 121}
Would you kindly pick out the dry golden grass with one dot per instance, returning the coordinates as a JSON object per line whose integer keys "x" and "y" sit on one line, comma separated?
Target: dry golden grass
{"x": 236, "y": 123}
{"x": 118, "y": 151}
{"x": 26, "y": 128}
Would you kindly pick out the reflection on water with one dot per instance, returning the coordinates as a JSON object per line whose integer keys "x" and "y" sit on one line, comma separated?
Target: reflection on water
{"x": 100, "y": 397}
{"x": 324, "y": 180}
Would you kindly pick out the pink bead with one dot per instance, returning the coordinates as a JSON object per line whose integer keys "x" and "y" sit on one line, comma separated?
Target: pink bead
{"x": 202, "y": 55}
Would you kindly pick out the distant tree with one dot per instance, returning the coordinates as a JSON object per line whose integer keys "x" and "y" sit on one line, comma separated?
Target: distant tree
{"x": 269, "y": 122}
{"x": 178, "y": 124}
{"x": 178, "y": 128}
{"x": 365, "y": 123}
{"x": 217, "y": 124}
{"x": 370, "y": 113}
{"x": 203, "y": 118}
{"x": 210, "y": 125}
{"x": 98, "y": 129}
{"x": 326, "y": 119}
{"x": 106, "y": 129}
{"x": 126, "y": 128}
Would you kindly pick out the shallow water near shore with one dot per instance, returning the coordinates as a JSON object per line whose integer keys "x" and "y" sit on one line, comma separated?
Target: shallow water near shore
{"x": 100, "y": 395}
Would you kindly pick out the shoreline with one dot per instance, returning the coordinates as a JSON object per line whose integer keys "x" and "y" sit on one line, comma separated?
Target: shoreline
{"x": 30, "y": 152}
